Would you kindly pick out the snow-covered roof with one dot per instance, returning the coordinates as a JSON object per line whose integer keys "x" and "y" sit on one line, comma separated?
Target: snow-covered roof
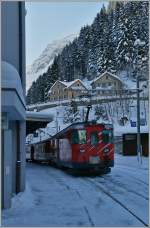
{"x": 11, "y": 79}
{"x": 68, "y": 84}
{"x": 106, "y": 72}
{"x": 87, "y": 83}
{"x": 55, "y": 84}
{"x": 39, "y": 116}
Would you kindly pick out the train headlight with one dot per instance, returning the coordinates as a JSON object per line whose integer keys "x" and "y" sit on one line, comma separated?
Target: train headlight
{"x": 82, "y": 151}
{"x": 106, "y": 150}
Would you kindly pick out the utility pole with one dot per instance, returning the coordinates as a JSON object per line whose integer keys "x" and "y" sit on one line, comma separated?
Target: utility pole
{"x": 139, "y": 152}
{"x": 40, "y": 137}
{"x": 138, "y": 44}
{"x": 57, "y": 127}
{"x": 144, "y": 108}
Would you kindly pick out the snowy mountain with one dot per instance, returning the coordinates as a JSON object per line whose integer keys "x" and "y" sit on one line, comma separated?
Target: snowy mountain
{"x": 110, "y": 44}
{"x": 41, "y": 64}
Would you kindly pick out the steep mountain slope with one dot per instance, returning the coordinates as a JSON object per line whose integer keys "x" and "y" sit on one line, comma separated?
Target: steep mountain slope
{"x": 41, "y": 64}
{"x": 117, "y": 41}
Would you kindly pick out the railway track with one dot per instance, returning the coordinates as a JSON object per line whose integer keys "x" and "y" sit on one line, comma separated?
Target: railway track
{"x": 85, "y": 209}
{"x": 133, "y": 177}
{"x": 133, "y": 169}
{"x": 62, "y": 181}
{"x": 99, "y": 186}
{"x": 123, "y": 186}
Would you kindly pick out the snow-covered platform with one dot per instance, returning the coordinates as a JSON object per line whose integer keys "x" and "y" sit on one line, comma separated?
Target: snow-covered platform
{"x": 55, "y": 198}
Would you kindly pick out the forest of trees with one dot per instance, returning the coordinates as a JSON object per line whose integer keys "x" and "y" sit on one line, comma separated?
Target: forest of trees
{"x": 107, "y": 44}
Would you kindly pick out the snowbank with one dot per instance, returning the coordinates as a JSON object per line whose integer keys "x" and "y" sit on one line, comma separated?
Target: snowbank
{"x": 119, "y": 130}
{"x": 23, "y": 199}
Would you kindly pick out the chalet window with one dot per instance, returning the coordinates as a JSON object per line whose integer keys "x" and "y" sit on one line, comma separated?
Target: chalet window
{"x": 109, "y": 83}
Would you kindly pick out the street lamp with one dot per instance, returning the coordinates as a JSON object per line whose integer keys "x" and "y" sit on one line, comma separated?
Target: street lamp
{"x": 138, "y": 44}
{"x": 57, "y": 126}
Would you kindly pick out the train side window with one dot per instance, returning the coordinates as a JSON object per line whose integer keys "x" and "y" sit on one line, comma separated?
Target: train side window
{"x": 74, "y": 138}
{"x": 107, "y": 136}
{"x": 78, "y": 137}
{"x": 94, "y": 138}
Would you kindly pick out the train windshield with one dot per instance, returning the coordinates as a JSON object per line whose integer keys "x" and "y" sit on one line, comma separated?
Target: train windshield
{"x": 79, "y": 137}
{"x": 107, "y": 136}
{"x": 94, "y": 138}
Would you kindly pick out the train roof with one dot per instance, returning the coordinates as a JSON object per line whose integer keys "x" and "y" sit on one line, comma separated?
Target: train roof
{"x": 76, "y": 125}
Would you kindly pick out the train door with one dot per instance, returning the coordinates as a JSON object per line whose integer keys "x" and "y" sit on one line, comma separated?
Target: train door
{"x": 65, "y": 151}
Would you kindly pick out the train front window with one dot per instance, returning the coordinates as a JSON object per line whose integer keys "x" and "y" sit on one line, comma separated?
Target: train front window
{"x": 82, "y": 136}
{"x": 79, "y": 137}
{"x": 107, "y": 136}
{"x": 94, "y": 138}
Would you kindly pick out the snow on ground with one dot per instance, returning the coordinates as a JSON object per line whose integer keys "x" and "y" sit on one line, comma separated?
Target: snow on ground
{"x": 56, "y": 198}
{"x": 129, "y": 83}
{"x": 26, "y": 199}
{"x": 56, "y": 125}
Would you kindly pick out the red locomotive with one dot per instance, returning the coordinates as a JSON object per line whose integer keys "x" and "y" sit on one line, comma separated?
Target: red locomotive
{"x": 84, "y": 145}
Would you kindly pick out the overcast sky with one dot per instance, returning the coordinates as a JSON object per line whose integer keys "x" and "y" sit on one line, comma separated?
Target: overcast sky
{"x": 50, "y": 21}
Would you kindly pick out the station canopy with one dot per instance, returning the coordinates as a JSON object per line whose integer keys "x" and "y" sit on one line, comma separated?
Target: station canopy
{"x": 36, "y": 120}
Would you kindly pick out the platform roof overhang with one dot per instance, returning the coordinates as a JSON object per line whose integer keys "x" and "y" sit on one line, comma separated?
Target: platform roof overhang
{"x": 36, "y": 120}
{"x": 12, "y": 102}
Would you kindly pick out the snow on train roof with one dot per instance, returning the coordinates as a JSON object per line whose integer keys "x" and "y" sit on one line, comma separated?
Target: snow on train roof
{"x": 76, "y": 125}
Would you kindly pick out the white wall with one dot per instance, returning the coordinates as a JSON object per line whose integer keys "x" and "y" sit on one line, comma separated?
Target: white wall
{"x": 11, "y": 36}
{"x": 10, "y": 33}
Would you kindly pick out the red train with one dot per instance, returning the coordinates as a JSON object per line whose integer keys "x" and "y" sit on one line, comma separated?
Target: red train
{"x": 84, "y": 145}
